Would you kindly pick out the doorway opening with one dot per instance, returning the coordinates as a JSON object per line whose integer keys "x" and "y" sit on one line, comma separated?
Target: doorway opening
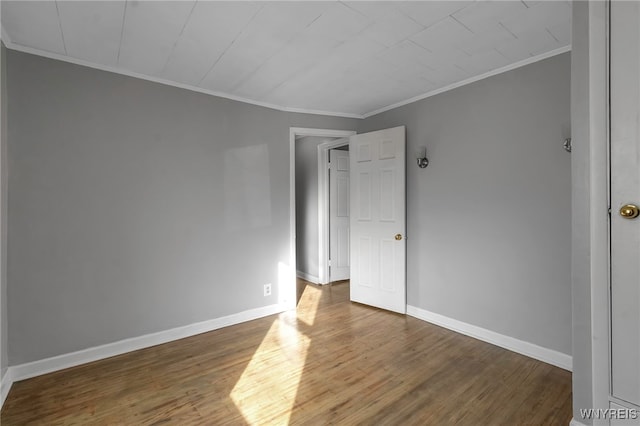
{"x": 333, "y": 210}
{"x": 306, "y": 197}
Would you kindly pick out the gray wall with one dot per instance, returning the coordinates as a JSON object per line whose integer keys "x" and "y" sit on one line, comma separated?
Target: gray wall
{"x": 134, "y": 206}
{"x": 489, "y": 221}
{"x": 137, "y": 207}
{"x": 307, "y": 204}
{"x": 3, "y": 214}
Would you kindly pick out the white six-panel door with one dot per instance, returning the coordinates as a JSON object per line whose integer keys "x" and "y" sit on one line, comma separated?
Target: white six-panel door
{"x": 378, "y": 248}
{"x": 625, "y": 191}
{"x": 338, "y": 215}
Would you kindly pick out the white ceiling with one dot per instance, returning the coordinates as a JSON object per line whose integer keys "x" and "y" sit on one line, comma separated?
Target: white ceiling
{"x": 346, "y": 58}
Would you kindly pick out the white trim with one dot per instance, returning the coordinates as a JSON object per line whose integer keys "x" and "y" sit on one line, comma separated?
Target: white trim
{"x": 59, "y": 57}
{"x": 60, "y": 362}
{"x": 322, "y": 133}
{"x": 531, "y": 350}
{"x": 5, "y": 385}
{"x": 293, "y": 133}
{"x": 590, "y": 191}
{"x": 3, "y": 392}
{"x": 574, "y": 422}
{"x": 307, "y": 277}
{"x": 599, "y": 122}
{"x": 471, "y": 80}
{"x": 323, "y": 207}
{"x": 6, "y": 380}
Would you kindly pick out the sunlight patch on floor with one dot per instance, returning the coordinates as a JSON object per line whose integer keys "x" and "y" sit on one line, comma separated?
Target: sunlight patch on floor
{"x": 263, "y": 394}
{"x": 308, "y": 305}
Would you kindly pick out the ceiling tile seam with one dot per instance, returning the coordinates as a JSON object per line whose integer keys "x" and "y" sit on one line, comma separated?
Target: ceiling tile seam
{"x": 426, "y": 50}
{"x": 124, "y": 18}
{"x": 525, "y": 4}
{"x": 312, "y": 66}
{"x": 217, "y": 60}
{"x": 291, "y": 77}
{"x": 444, "y": 17}
{"x": 500, "y": 24}
{"x": 374, "y": 21}
{"x": 502, "y": 54}
{"x": 399, "y": 42}
{"x": 551, "y": 34}
{"x": 508, "y": 30}
{"x": 455, "y": 47}
{"x": 385, "y": 48}
{"x": 463, "y": 51}
{"x": 462, "y": 69}
{"x": 413, "y": 19}
{"x": 470, "y": 80}
{"x": 173, "y": 48}
{"x": 284, "y": 46}
{"x": 456, "y": 19}
{"x": 159, "y": 80}
{"x": 296, "y": 74}
{"x": 64, "y": 45}
{"x": 355, "y": 10}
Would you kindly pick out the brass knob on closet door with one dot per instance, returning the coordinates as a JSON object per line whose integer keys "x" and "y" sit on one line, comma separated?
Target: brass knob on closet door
{"x": 629, "y": 211}
{"x": 398, "y": 237}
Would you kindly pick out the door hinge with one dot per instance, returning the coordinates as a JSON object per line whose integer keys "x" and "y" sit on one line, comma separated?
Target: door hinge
{"x": 329, "y": 262}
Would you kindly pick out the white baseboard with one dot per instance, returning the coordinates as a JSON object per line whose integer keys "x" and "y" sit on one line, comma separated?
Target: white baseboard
{"x": 311, "y": 278}
{"x": 60, "y": 362}
{"x": 531, "y": 350}
{"x": 574, "y": 422}
{"x": 6, "y": 382}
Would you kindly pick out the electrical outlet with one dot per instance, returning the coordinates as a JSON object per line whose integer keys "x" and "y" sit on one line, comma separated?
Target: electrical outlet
{"x": 267, "y": 290}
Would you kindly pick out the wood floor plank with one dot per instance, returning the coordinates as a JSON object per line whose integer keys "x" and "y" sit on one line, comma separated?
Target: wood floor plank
{"x": 331, "y": 362}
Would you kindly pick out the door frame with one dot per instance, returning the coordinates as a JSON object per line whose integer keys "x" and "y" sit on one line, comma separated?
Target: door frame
{"x": 590, "y": 268}
{"x": 323, "y": 206}
{"x": 287, "y": 295}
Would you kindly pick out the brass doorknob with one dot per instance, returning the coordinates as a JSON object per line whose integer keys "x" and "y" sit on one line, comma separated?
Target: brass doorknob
{"x": 629, "y": 211}
{"x": 398, "y": 237}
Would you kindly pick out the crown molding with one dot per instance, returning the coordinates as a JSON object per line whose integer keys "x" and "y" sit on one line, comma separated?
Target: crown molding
{"x": 461, "y": 83}
{"x": 51, "y": 55}
{"x": 75, "y": 61}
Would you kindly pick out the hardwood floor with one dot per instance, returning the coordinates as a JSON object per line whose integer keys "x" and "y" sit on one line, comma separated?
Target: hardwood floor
{"x": 334, "y": 362}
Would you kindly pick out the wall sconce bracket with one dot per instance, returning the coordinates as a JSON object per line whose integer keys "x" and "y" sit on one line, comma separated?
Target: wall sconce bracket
{"x": 423, "y": 162}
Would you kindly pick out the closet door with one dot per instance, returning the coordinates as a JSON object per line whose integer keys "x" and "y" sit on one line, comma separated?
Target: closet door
{"x": 625, "y": 200}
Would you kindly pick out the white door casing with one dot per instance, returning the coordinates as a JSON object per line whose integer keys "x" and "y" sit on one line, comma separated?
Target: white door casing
{"x": 378, "y": 221}
{"x": 625, "y": 189}
{"x": 339, "y": 201}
